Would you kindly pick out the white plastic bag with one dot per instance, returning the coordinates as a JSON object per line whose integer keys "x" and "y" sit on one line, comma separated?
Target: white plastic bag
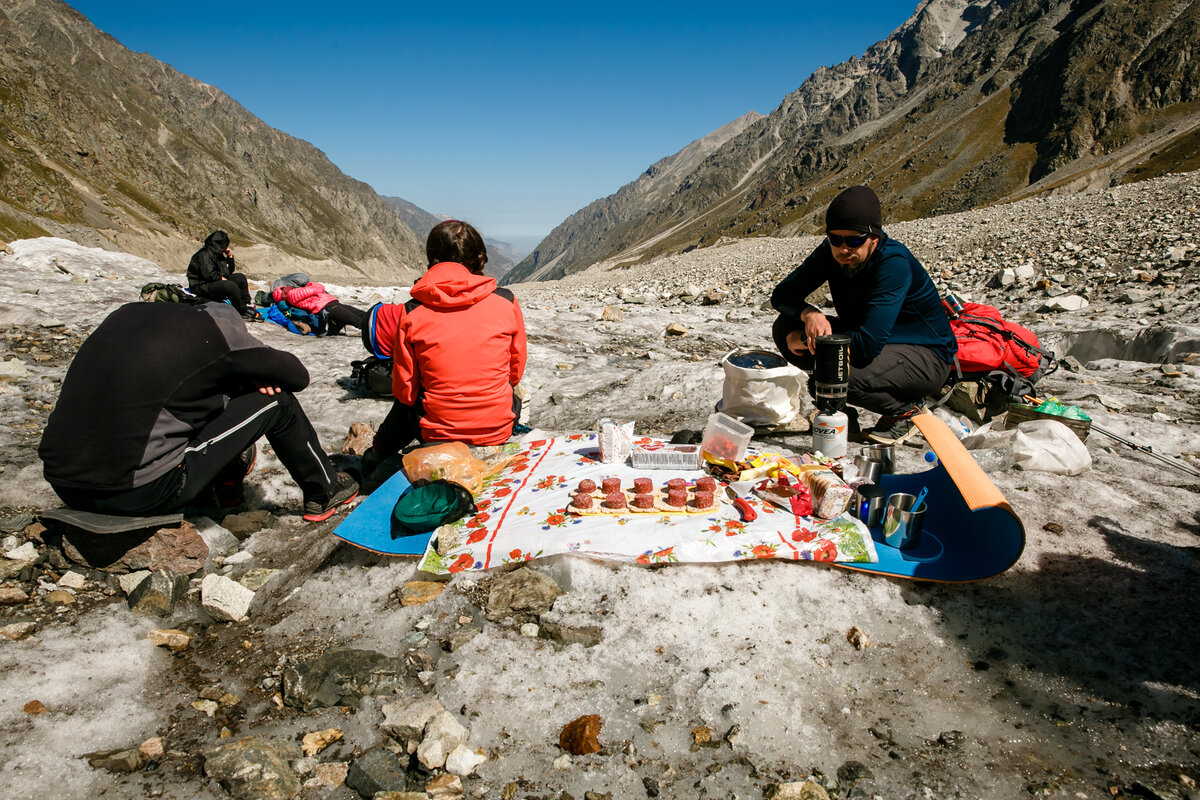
{"x": 760, "y": 396}
{"x": 1042, "y": 445}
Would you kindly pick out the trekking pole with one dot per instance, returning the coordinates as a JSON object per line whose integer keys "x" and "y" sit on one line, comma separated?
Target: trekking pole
{"x": 1144, "y": 448}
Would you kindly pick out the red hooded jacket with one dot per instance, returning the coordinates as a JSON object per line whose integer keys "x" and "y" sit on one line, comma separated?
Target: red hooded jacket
{"x": 459, "y": 351}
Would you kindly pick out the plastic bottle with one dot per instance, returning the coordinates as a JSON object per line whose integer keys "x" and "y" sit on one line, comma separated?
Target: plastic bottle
{"x": 957, "y": 425}
{"x": 930, "y": 458}
{"x": 993, "y": 459}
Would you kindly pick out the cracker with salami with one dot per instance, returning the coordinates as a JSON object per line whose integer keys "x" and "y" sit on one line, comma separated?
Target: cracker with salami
{"x": 676, "y": 496}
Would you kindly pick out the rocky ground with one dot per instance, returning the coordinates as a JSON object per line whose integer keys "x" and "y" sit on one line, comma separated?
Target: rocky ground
{"x": 249, "y": 654}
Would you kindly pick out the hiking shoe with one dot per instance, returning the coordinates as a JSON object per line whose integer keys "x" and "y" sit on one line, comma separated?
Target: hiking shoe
{"x": 248, "y": 459}
{"x": 345, "y": 490}
{"x": 227, "y": 488}
{"x": 895, "y": 430}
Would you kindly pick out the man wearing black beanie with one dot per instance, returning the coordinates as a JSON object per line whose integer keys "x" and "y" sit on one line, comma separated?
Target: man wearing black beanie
{"x": 901, "y": 345}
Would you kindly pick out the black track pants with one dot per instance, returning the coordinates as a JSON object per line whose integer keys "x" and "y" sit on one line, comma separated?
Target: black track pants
{"x": 901, "y": 376}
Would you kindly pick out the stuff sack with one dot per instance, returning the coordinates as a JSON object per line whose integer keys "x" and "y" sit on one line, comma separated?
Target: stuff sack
{"x": 373, "y": 374}
{"x": 424, "y": 508}
{"x": 167, "y": 293}
{"x": 760, "y": 388}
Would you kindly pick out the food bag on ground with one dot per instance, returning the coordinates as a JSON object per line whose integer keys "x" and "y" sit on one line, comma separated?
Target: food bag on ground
{"x": 830, "y": 494}
{"x": 760, "y": 387}
{"x": 616, "y": 440}
{"x": 787, "y": 494}
{"x": 451, "y": 461}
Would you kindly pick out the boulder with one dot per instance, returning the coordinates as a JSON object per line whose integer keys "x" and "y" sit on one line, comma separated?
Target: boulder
{"x": 377, "y": 770}
{"x": 248, "y": 522}
{"x": 341, "y": 678}
{"x": 523, "y": 594}
{"x": 181, "y": 550}
{"x": 463, "y": 760}
{"x": 253, "y": 768}
{"x": 405, "y": 719}
{"x": 359, "y": 439}
{"x": 580, "y": 736}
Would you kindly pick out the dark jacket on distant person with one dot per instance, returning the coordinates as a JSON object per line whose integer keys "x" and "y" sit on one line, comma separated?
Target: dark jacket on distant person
{"x": 210, "y": 264}
{"x": 890, "y": 299}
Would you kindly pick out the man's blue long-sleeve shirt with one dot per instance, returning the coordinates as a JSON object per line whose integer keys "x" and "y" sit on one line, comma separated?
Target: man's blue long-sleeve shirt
{"x": 890, "y": 299}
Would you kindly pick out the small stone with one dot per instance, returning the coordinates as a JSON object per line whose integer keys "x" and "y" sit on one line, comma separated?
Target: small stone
{"x": 358, "y": 440}
{"x": 158, "y": 594}
{"x": 701, "y": 735}
{"x": 580, "y": 736}
{"x": 586, "y": 635}
{"x": 131, "y": 580}
{"x": 858, "y": 638}
{"x": 376, "y": 770}
{"x": 220, "y": 541}
{"x": 171, "y": 638}
{"x": 1052, "y": 527}
{"x": 329, "y": 774}
{"x": 208, "y": 708}
{"x": 12, "y": 596}
{"x": 224, "y": 598}
{"x": 853, "y": 771}
{"x": 563, "y": 762}
{"x": 60, "y": 597}
{"x": 1070, "y": 302}
{"x": 1072, "y": 364}
{"x": 444, "y": 786}
{"x": 530, "y": 630}
{"x": 463, "y": 760}
{"x": 461, "y": 637}
{"x": 228, "y": 700}
{"x": 801, "y": 790}
{"x": 26, "y": 552}
{"x": 152, "y": 748}
{"x": 246, "y": 523}
{"x": 18, "y": 630}
{"x": 443, "y": 733}
{"x": 129, "y": 759}
{"x": 405, "y": 719}
{"x": 257, "y": 578}
{"x": 416, "y": 593}
{"x": 73, "y": 580}
{"x": 611, "y": 314}
{"x": 315, "y": 742}
{"x": 1171, "y": 371}
{"x": 675, "y": 329}
{"x": 34, "y": 707}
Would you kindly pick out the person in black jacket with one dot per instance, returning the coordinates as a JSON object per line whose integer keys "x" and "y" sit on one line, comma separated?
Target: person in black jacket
{"x": 163, "y": 399}
{"x": 211, "y": 275}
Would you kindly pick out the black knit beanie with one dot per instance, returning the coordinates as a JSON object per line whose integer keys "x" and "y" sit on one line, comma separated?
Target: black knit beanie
{"x": 856, "y": 209}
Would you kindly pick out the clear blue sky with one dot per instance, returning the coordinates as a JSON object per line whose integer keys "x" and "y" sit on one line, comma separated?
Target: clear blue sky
{"x": 510, "y": 115}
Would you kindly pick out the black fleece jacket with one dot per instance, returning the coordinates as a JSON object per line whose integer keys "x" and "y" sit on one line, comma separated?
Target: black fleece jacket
{"x": 143, "y": 386}
{"x": 210, "y": 264}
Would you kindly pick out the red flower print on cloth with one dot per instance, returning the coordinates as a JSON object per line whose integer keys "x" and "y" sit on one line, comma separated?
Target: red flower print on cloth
{"x": 824, "y": 551}
{"x": 465, "y": 561}
{"x": 477, "y": 536}
{"x": 803, "y": 534}
{"x": 556, "y": 520}
{"x": 478, "y": 519}
{"x": 763, "y": 551}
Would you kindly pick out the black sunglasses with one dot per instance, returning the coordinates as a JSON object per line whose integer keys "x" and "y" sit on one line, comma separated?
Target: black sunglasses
{"x": 851, "y": 241}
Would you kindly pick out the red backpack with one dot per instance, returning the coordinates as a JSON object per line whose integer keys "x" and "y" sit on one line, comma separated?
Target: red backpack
{"x": 992, "y": 348}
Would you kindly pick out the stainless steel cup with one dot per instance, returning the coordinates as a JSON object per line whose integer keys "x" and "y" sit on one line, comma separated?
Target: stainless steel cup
{"x": 901, "y": 522}
{"x": 882, "y": 452}
{"x": 867, "y": 503}
{"x": 869, "y": 470}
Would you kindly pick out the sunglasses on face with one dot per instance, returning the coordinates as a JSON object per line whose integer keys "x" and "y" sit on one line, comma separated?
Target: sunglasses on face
{"x": 849, "y": 241}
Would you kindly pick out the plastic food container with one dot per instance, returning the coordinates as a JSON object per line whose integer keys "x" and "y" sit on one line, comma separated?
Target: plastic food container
{"x": 726, "y": 438}
{"x": 667, "y": 456}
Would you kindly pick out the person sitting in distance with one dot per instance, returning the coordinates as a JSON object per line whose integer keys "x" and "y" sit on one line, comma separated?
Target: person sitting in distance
{"x": 901, "y": 344}
{"x": 211, "y": 275}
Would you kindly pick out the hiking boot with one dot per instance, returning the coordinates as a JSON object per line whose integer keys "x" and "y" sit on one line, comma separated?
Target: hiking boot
{"x": 895, "y": 429}
{"x": 344, "y": 490}
{"x": 227, "y": 489}
{"x": 252, "y": 316}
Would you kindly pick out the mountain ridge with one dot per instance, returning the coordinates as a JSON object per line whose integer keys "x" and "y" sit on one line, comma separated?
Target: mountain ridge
{"x": 965, "y": 104}
{"x": 115, "y": 148}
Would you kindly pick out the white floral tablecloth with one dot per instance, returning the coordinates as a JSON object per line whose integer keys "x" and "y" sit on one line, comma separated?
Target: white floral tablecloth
{"x": 523, "y": 515}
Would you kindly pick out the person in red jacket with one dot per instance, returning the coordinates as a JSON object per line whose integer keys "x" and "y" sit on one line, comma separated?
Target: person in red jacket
{"x": 459, "y": 351}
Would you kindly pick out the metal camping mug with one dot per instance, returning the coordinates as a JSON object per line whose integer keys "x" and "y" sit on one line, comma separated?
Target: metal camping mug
{"x": 867, "y": 504}
{"x": 902, "y": 522}
{"x": 869, "y": 469}
{"x": 882, "y": 452}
